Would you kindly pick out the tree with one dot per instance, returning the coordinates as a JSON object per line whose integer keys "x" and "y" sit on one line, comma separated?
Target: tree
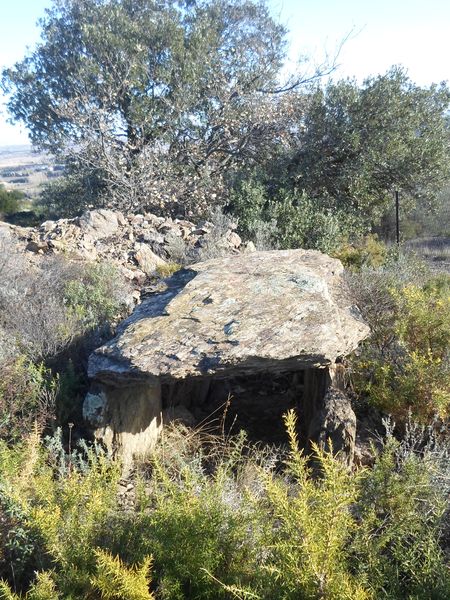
{"x": 10, "y": 200}
{"x": 356, "y": 145}
{"x": 153, "y": 100}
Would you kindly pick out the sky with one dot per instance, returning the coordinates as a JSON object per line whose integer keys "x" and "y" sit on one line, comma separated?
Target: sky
{"x": 381, "y": 33}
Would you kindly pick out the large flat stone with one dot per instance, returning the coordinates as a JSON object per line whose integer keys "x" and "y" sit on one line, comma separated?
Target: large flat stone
{"x": 264, "y": 311}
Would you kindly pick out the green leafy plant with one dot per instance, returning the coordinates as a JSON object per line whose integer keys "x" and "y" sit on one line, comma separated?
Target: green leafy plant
{"x": 405, "y": 367}
{"x": 366, "y": 251}
{"x": 400, "y": 512}
{"x": 27, "y": 397}
{"x": 115, "y": 581}
{"x": 10, "y": 200}
{"x": 94, "y": 298}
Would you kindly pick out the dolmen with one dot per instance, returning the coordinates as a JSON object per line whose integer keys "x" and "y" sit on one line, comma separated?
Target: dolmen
{"x": 263, "y": 314}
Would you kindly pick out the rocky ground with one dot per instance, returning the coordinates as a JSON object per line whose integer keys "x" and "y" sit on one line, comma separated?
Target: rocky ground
{"x": 139, "y": 245}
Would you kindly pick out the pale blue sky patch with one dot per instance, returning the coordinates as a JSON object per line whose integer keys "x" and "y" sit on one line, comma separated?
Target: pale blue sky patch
{"x": 413, "y": 33}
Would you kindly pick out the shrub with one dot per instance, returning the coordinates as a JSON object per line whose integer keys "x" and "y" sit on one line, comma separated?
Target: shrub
{"x": 10, "y": 201}
{"x": 367, "y": 251}
{"x": 27, "y": 398}
{"x": 64, "y": 510}
{"x": 202, "y": 529}
{"x": 32, "y": 308}
{"x": 96, "y": 298}
{"x": 314, "y": 527}
{"x": 289, "y": 219}
{"x": 43, "y": 309}
{"x": 400, "y": 513}
{"x": 168, "y": 269}
{"x": 224, "y": 521}
{"x": 117, "y": 582}
{"x": 404, "y": 366}
{"x": 42, "y": 589}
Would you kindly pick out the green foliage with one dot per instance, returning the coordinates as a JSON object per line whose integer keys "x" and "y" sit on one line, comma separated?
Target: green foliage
{"x": 359, "y": 144}
{"x": 63, "y": 512}
{"x": 315, "y": 526}
{"x": 92, "y": 299}
{"x": 400, "y": 511}
{"x": 352, "y": 147}
{"x": 175, "y": 88}
{"x": 69, "y": 195}
{"x": 27, "y": 397}
{"x": 42, "y": 311}
{"x": 117, "y": 582}
{"x": 10, "y": 201}
{"x": 367, "y": 251}
{"x": 404, "y": 367}
{"x": 202, "y": 529}
{"x": 223, "y": 521}
{"x": 289, "y": 219}
{"x": 167, "y": 269}
{"x": 42, "y": 589}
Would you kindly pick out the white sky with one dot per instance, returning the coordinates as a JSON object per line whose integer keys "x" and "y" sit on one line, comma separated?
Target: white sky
{"x": 413, "y": 33}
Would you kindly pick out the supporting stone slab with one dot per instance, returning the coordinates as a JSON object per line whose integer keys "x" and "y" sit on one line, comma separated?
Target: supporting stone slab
{"x": 126, "y": 419}
{"x": 328, "y": 414}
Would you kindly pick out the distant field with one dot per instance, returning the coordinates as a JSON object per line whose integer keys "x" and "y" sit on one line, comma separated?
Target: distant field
{"x": 25, "y": 170}
{"x": 11, "y": 156}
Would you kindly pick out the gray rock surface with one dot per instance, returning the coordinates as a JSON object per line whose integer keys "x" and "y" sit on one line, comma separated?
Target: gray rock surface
{"x": 99, "y": 223}
{"x": 334, "y": 425}
{"x": 264, "y": 311}
{"x": 136, "y": 244}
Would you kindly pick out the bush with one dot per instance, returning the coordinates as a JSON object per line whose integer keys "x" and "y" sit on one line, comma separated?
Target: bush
{"x": 65, "y": 503}
{"x": 404, "y": 366}
{"x": 224, "y": 520}
{"x": 27, "y": 398}
{"x": 44, "y": 308}
{"x": 289, "y": 219}
{"x": 368, "y": 251}
{"x": 10, "y": 201}
{"x": 96, "y": 298}
{"x": 400, "y": 513}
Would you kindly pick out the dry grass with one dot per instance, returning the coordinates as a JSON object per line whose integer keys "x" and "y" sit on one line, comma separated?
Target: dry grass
{"x": 435, "y": 250}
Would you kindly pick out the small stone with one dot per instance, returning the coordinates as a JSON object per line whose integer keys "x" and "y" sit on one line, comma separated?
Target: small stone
{"x": 99, "y": 223}
{"x": 147, "y": 260}
{"x": 249, "y": 247}
{"x": 47, "y": 225}
{"x": 234, "y": 239}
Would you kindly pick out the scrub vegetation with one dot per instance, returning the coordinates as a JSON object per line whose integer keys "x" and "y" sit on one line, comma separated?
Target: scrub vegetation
{"x": 181, "y": 108}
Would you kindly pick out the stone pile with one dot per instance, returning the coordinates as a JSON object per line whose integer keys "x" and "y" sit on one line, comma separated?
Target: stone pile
{"x": 139, "y": 245}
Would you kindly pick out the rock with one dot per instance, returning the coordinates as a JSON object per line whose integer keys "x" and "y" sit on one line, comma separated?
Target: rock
{"x": 100, "y": 223}
{"x": 152, "y": 238}
{"x": 121, "y": 220}
{"x": 234, "y": 239}
{"x": 37, "y": 247}
{"x": 128, "y": 421}
{"x": 249, "y": 247}
{"x": 94, "y": 408}
{"x": 139, "y": 276}
{"x": 47, "y": 225}
{"x": 136, "y": 219}
{"x": 334, "y": 426}
{"x": 57, "y": 245}
{"x": 147, "y": 260}
{"x": 104, "y": 235}
{"x": 265, "y": 311}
